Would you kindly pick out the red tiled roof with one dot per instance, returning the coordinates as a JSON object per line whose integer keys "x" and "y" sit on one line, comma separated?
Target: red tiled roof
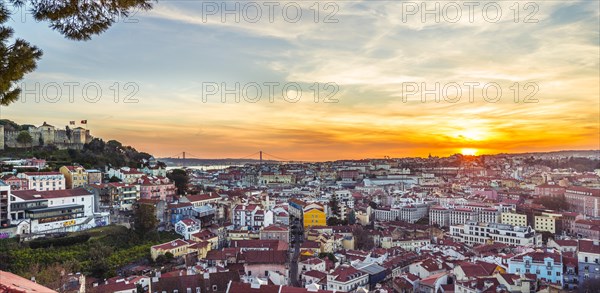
{"x": 265, "y": 256}
{"x": 588, "y": 246}
{"x": 41, "y": 173}
{"x": 346, "y": 273}
{"x": 32, "y": 194}
{"x": 276, "y": 228}
{"x": 172, "y": 244}
{"x": 316, "y": 274}
{"x": 14, "y": 283}
{"x": 201, "y": 197}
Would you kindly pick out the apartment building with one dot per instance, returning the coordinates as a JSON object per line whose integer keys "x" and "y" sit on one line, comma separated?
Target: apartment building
{"x": 75, "y": 176}
{"x": 588, "y": 257}
{"x": 4, "y": 204}
{"x": 514, "y": 219}
{"x": 55, "y": 210}
{"x": 583, "y": 200}
{"x": 44, "y": 181}
{"x": 346, "y": 279}
{"x": 549, "y": 222}
{"x": 545, "y": 265}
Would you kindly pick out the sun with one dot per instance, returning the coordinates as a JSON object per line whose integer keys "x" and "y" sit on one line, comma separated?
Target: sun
{"x": 468, "y": 152}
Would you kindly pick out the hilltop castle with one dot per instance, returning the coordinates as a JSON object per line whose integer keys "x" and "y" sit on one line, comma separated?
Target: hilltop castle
{"x": 47, "y": 134}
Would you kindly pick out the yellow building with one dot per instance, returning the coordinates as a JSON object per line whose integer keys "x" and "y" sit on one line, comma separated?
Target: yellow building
{"x": 75, "y": 176}
{"x": 203, "y": 248}
{"x": 546, "y": 222}
{"x": 177, "y": 247}
{"x": 514, "y": 219}
{"x": 314, "y": 215}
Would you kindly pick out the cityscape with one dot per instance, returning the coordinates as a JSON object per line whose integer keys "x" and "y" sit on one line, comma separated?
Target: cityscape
{"x": 288, "y": 147}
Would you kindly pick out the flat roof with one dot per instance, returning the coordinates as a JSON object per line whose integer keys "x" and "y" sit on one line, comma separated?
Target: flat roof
{"x": 58, "y": 208}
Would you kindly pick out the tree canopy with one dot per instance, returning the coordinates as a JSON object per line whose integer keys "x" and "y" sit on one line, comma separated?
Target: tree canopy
{"x": 24, "y": 138}
{"x": 181, "y": 179}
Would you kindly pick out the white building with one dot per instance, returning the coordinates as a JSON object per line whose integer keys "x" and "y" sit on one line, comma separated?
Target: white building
{"x": 346, "y": 279}
{"x": 474, "y": 233}
{"x": 126, "y": 174}
{"x": 408, "y": 213}
{"x": 439, "y": 215}
{"x": 248, "y": 215}
{"x": 187, "y": 227}
{"x": 4, "y": 204}
{"x": 55, "y": 211}
{"x": 43, "y": 181}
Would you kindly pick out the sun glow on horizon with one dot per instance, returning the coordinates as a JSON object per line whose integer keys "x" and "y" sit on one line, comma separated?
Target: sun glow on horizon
{"x": 469, "y": 152}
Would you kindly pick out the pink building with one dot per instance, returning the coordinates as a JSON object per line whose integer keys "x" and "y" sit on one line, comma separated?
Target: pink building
{"x": 583, "y": 200}
{"x": 156, "y": 188}
{"x": 549, "y": 190}
{"x": 587, "y": 228}
{"x": 15, "y": 182}
{"x": 258, "y": 263}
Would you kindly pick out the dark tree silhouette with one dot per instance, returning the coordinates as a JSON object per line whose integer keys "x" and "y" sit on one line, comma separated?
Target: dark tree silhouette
{"x": 16, "y": 59}
{"x": 181, "y": 179}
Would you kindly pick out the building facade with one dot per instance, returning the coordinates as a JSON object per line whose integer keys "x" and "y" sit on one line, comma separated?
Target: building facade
{"x": 44, "y": 181}
{"x": 545, "y": 265}
{"x": 75, "y": 176}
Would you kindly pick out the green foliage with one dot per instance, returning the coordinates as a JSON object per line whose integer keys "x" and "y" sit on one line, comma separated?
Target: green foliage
{"x": 333, "y": 221}
{"x": 57, "y": 242}
{"x": 557, "y": 203}
{"x": 10, "y": 125}
{"x": 144, "y": 219}
{"x": 352, "y": 217}
{"x": 181, "y": 179}
{"x": 334, "y": 206}
{"x": 80, "y": 20}
{"x": 362, "y": 238}
{"x": 372, "y": 204}
{"x": 17, "y": 58}
{"x": 94, "y": 155}
{"x": 24, "y": 138}
{"x": 107, "y": 249}
{"x": 328, "y": 255}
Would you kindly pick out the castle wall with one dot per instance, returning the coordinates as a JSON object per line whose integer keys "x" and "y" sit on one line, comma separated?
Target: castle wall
{"x": 49, "y": 135}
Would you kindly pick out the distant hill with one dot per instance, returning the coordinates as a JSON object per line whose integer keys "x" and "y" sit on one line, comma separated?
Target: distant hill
{"x": 554, "y": 154}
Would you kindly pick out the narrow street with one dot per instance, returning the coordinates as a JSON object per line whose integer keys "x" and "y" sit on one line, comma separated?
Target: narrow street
{"x": 297, "y": 236}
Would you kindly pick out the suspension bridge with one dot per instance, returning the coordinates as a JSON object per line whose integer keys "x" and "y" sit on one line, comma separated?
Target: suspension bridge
{"x": 259, "y": 157}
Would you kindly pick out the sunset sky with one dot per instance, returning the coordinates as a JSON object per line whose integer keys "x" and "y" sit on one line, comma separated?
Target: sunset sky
{"x": 370, "y": 53}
